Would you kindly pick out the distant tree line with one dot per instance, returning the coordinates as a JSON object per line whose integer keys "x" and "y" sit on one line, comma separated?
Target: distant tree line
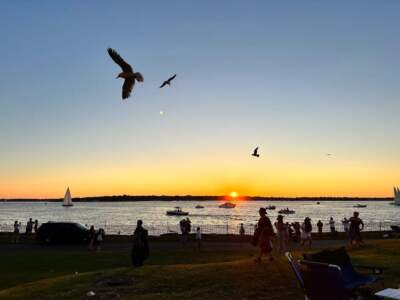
{"x": 128, "y": 198}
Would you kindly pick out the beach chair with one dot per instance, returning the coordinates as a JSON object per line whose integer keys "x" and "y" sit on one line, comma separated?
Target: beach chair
{"x": 296, "y": 270}
{"x": 352, "y": 279}
{"x": 319, "y": 280}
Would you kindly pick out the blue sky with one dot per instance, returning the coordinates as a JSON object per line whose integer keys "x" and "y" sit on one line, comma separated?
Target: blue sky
{"x": 298, "y": 79}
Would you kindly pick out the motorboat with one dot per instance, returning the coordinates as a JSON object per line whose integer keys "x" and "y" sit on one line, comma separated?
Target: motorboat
{"x": 227, "y": 205}
{"x": 177, "y": 212}
{"x": 286, "y": 211}
{"x": 318, "y": 203}
{"x": 271, "y": 207}
{"x": 199, "y": 206}
{"x": 360, "y": 206}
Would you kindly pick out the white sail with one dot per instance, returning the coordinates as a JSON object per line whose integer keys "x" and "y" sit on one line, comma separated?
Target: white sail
{"x": 396, "y": 196}
{"x": 67, "y": 198}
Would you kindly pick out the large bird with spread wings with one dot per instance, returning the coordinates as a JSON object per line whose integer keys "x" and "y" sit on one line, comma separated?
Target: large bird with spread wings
{"x": 168, "y": 81}
{"x": 255, "y": 153}
{"x": 127, "y": 73}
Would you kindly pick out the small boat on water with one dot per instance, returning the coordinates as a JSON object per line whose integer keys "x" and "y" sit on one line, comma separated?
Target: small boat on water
{"x": 270, "y": 207}
{"x": 177, "y": 212}
{"x": 318, "y": 202}
{"x": 286, "y": 211}
{"x": 67, "y": 199}
{"x": 199, "y": 206}
{"x": 227, "y": 205}
{"x": 360, "y": 206}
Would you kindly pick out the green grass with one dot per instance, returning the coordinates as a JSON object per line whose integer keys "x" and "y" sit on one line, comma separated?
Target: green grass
{"x": 182, "y": 274}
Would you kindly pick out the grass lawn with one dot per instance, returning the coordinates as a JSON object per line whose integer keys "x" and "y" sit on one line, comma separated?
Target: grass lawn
{"x": 181, "y": 274}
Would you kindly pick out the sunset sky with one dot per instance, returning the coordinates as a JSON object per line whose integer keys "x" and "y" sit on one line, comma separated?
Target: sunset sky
{"x": 299, "y": 79}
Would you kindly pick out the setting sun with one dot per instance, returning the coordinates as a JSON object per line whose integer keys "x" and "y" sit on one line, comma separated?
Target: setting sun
{"x": 234, "y": 194}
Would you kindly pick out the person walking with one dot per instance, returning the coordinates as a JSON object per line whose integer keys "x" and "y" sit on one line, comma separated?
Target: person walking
{"x": 306, "y": 229}
{"x": 356, "y": 226}
{"x": 140, "y": 246}
{"x": 319, "y": 226}
{"x": 198, "y": 238}
{"x": 281, "y": 233}
{"x": 263, "y": 236}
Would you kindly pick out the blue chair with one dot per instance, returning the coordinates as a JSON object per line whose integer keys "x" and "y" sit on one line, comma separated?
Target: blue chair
{"x": 319, "y": 281}
{"x": 352, "y": 279}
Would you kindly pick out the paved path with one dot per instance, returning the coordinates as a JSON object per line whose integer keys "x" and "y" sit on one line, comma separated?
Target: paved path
{"x": 155, "y": 246}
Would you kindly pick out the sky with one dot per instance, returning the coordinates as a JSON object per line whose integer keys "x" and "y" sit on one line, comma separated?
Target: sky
{"x": 299, "y": 79}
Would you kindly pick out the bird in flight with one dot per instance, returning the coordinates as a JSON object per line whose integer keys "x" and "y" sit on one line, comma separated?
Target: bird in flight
{"x": 127, "y": 73}
{"x": 329, "y": 154}
{"x": 255, "y": 153}
{"x": 168, "y": 81}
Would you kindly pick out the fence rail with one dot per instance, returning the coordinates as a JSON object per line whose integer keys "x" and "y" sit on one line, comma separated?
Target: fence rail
{"x": 228, "y": 228}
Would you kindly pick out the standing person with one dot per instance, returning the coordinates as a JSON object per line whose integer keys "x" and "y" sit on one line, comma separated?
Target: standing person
{"x": 263, "y": 236}
{"x": 282, "y": 234}
{"x": 188, "y": 226}
{"x": 346, "y": 224}
{"x": 290, "y": 231}
{"x": 297, "y": 233}
{"x": 306, "y": 229}
{"x": 35, "y": 225}
{"x": 29, "y": 226}
{"x": 99, "y": 238}
{"x": 198, "y": 238}
{"x": 183, "y": 226}
{"x": 356, "y": 226}
{"x": 332, "y": 225}
{"x": 140, "y": 246}
{"x": 241, "y": 229}
{"x": 92, "y": 233}
{"x": 17, "y": 227}
{"x": 320, "y": 225}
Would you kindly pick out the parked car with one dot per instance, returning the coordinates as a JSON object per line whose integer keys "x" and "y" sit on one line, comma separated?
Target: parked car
{"x": 62, "y": 233}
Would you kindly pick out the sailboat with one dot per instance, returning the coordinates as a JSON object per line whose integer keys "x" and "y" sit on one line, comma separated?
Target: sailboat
{"x": 67, "y": 199}
{"x": 396, "y": 196}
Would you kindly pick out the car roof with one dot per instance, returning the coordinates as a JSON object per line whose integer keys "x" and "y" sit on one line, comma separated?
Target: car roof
{"x": 61, "y": 223}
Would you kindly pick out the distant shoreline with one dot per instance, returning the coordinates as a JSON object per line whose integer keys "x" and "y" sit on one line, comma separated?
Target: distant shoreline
{"x": 126, "y": 198}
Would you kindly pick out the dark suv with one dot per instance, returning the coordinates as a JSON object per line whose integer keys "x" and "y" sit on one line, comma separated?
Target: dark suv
{"x": 62, "y": 232}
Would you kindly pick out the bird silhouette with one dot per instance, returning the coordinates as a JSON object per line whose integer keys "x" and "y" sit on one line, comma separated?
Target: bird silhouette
{"x": 329, "y": 154}
{"x": 168, "y": 81}
{"x": 127, "y": 73}
{"x": 255, "y": 153}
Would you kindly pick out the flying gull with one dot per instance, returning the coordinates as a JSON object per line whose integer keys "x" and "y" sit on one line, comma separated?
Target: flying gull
{"x": 127, "y": 73}
{"x": 255, "y": 153}
{"x": 168, "y": 81}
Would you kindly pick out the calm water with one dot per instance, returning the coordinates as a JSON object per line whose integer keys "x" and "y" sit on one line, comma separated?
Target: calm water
{"x": 122, "y": 216}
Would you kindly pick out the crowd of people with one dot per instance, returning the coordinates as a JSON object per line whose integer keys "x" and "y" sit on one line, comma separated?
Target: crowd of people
{"x": 31, "y": 227}
{"x": 266, "y": 238}
{"x": 96, "y": 238}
